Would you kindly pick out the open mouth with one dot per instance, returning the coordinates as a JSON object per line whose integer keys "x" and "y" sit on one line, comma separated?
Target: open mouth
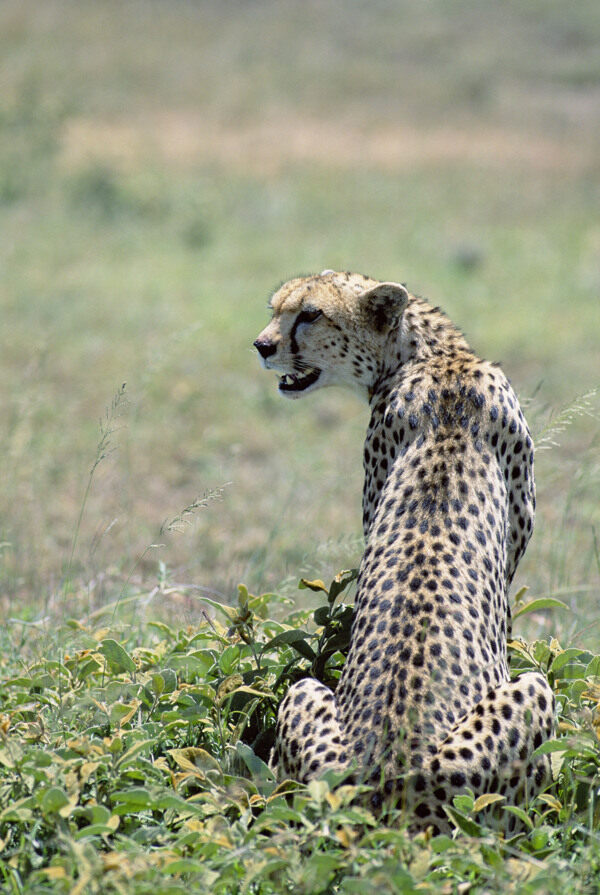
{"x": 297, "y": 382}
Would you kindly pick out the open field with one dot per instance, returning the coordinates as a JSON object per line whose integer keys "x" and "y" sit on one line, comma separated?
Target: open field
{"x": 163, "y": 167}
{"x": 163, "y": 171}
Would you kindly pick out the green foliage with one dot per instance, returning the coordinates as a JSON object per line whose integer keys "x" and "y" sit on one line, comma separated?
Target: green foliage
{"x": 139, "y": 762}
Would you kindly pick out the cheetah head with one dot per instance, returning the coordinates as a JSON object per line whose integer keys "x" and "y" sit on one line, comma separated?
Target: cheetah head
{"x": 330, "y": 329}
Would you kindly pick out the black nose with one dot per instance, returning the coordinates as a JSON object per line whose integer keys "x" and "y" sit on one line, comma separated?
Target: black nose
{"x": 265, "y": 347}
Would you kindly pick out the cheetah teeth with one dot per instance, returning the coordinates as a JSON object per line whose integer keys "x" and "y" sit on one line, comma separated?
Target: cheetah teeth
{"x": 296, "y": 382}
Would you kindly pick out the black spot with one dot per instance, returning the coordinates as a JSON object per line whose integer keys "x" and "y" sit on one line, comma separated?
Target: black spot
{"x": 420, "y": 783}
{"x": 458, "y": 779}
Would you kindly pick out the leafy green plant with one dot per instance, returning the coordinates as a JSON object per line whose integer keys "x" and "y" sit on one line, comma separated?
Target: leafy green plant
{"x": 138, "y": 761}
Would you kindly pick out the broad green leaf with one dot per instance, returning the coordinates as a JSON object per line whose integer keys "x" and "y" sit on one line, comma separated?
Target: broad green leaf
{"x": 184, "y": 865}
{"x": 542, "y": 652}
{"x": 261, "y": 870}
{"x": 194, "y": 758}
{"x": 229, "y": 659}
{"x": 492, "y": 857}
{"x": 197, "y": 663}
{"x": 593, "y": 667}
{"x": 53, "y": 800}
{"x": 135, "y": 797}
{"x": 170, "y": 678}
{"x": 321, "y": 615}
{"x": 551, "y": 746}
{"x": 539, "y": 839}
{"x": 464, "y": 802}
{"x": 575, "y": 688}
{"x": 115, "y": 745}
{"x": 280, "y": 812}
{"x": 464, "y": 823}
{"x": 244, "y": 717}
{"x": 122, "y": 713}
{"x": 563, "y": 658}
{"x": 94, "y": 814}
{"x": 98, "y": 829}
{"x": 522, "y": 815}
{"x": 118, "y": 659}
{"x": 134, "y": 751}
{"x": 341, "y": 582}
{"x": 295, "y": 638}
{"x": 21, "y": 810}
{"x": 6, "y": 758}
{"x": 537, "y": 605}
{"x": 255, "y": 765}
{"x": 158, "y": 684}
{"x": 89, "y": 666}
{"x": 442, "y": 843}
{"x": 284, "y": 789}
{"x": 575, "y": 673}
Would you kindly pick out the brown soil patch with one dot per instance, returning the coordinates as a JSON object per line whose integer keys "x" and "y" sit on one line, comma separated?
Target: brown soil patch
{"x": 266, "y": 146}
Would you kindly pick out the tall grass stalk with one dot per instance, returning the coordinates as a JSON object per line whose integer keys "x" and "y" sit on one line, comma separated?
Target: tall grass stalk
{"x": 179, "y": 522}
{"x": 103, "y": 450}
{"x": 559, "y": 422}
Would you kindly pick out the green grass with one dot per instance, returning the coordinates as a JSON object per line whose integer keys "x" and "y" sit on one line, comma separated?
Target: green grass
{"x": 162, "y": 168}
{"x": 102, "y": 292}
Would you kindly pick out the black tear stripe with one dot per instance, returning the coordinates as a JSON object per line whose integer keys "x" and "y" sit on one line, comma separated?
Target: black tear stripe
{"x": 305, "y": 316}
{"x": 293, "y": 342}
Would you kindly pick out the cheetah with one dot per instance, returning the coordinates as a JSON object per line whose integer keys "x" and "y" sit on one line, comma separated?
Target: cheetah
{"x": 425, "y": 707}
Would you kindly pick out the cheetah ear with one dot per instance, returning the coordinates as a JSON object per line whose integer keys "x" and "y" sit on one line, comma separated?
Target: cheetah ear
{"x": 382, "y": 306}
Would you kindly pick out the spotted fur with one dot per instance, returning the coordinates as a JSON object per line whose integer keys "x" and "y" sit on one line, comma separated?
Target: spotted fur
{"x": 425, "y": 706}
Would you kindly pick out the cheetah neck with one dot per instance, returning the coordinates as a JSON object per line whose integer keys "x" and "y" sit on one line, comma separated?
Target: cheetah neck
{"x": 424, "y": 332}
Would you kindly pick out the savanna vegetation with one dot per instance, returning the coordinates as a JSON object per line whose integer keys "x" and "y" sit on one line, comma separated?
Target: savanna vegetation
{"x": 162, "y": 168}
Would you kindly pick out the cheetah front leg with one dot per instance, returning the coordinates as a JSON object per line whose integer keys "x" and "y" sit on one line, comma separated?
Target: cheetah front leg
{"x": 309, "y": 736}
{"x": 490, "y": 751}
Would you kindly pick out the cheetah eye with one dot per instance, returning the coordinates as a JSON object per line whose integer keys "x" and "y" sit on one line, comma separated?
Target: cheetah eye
{"x": 308, "y": 316}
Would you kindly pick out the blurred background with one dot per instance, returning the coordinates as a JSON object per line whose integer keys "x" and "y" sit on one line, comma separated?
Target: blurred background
{"x": 165, "y": 165}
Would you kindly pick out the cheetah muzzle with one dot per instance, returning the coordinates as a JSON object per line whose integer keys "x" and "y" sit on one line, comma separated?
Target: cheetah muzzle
{"x": 425, "y": 707}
